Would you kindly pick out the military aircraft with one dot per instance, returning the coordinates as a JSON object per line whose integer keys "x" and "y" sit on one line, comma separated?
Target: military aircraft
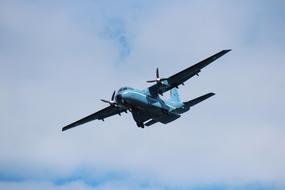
{"x": 146, "y": 105}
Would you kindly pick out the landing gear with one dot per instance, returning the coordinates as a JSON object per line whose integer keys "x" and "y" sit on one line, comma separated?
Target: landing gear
{"x": 140, "y": 124}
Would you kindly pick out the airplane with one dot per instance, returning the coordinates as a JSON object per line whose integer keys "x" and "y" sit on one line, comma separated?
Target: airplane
{"x": 147, "y": 106}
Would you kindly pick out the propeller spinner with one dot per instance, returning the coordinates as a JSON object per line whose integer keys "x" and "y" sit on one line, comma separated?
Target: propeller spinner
{"x": 158, "y": 79}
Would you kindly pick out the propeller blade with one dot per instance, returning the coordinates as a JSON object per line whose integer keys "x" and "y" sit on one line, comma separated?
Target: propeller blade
{"x": 113, "y": 95}
{"x": 157, "y": 73}
{"x": 106, "y": 101}
{"x": 157, "y": 80}
{"x": 112, "y": 102}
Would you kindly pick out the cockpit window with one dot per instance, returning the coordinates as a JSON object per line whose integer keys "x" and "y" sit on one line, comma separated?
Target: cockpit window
{"x": 124, "y": 88}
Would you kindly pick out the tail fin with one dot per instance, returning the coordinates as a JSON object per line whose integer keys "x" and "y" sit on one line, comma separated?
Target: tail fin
{"x": 198, "y": 100}
{"x": 174, "y": 96}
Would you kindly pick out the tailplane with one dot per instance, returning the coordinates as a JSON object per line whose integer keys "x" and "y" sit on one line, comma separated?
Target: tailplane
{"x": 198, "y": 100}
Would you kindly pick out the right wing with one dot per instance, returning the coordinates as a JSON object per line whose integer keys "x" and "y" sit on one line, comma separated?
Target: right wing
{"x": 182, "y": 76}
{"x": 101, "y": 115}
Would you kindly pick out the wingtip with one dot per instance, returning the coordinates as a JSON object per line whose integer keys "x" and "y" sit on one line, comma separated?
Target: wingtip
{"x": 227, "y": 50}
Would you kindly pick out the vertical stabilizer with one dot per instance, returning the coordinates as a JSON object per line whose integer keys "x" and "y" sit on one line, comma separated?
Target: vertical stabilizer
{"x": 174, "y": 96}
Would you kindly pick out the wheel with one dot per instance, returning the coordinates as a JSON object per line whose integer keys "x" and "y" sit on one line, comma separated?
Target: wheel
{"x": 140, "y": 124}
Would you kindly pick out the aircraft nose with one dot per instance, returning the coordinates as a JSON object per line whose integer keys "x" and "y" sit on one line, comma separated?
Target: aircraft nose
{"x": 123, "y": 98}
{"x": 119, "y": 98}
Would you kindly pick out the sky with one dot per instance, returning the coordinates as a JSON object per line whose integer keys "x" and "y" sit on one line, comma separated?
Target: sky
{"x": 59, "y": 58}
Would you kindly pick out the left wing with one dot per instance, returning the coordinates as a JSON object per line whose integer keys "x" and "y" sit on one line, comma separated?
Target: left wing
{"x": 101, "y": 115}
{"x": 182, "y": 76}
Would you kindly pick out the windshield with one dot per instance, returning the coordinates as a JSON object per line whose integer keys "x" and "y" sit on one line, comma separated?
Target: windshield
{"x": 124, "y": 88}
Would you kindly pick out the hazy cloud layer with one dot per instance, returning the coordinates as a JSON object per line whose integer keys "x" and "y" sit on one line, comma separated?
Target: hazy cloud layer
{"x": 58, "y": 59}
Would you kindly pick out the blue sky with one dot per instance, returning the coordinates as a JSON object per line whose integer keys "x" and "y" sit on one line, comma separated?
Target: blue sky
{"x": 58, "y": 59}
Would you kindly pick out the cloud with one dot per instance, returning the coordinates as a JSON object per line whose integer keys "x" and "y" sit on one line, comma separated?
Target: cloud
{"x": 115, "y": 30}
{"x": 58, "y": 59}
{"x": 118, "y": 181}
{"x": 44, "y": 186}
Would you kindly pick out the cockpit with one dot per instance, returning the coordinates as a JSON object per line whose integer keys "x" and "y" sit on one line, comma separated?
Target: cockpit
{"x": 119, "y": 97}
{"x": 124, "y": 88}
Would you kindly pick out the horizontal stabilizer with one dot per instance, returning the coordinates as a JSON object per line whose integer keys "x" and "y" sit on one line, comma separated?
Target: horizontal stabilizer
{"x": 165, "y": 118}
{"x": 198, "y": 100}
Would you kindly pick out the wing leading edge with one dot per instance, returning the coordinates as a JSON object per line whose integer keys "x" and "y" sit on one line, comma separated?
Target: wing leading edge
{"x": 101, "y": 115}
{"x": 182, "y": 76}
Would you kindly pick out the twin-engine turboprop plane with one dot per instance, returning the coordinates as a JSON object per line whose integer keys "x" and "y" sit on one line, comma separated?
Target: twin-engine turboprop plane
{"x": 146, "y": 105}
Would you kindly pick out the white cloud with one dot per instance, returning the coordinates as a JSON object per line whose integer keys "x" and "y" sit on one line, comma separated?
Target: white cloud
{"x": 43, "y": 186}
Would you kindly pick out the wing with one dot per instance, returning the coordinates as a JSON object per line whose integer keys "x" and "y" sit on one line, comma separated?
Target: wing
{"x": 182, "y": 76}
{"x": 101, "y": 115}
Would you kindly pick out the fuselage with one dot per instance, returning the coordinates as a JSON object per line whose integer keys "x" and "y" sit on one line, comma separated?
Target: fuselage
{"x": 130, "y": 98}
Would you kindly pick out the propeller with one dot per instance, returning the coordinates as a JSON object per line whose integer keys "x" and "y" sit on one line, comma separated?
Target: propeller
{"x": 111, "y": 102}
{"x": 157, "y": 80}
